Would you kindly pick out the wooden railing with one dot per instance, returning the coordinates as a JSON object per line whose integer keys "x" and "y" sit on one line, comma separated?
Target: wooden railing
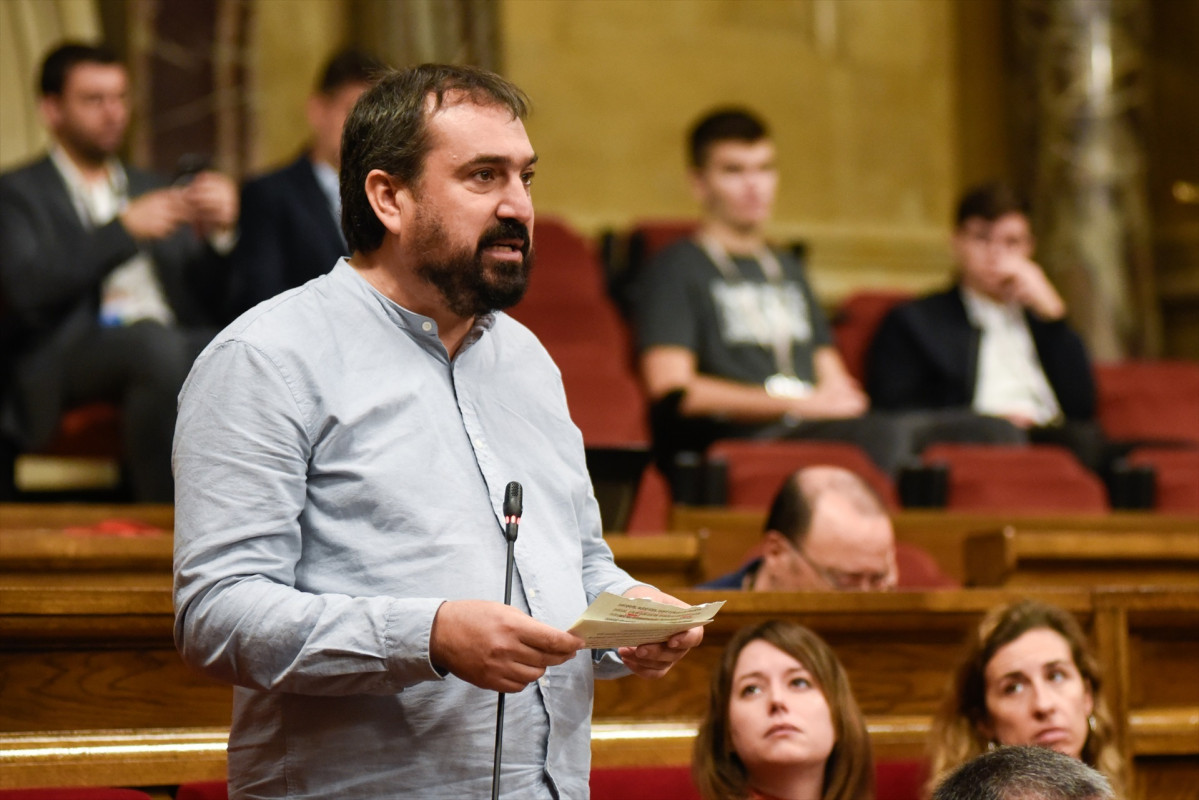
{"x": 93, "y": 692}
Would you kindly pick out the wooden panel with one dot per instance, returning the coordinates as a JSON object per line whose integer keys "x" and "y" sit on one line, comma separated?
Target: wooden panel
{"x": 668, "y": 560}
{"x": 65, "y": 515}
{"x": 1013, "y": 557}
{"x": 895, "y": 647}
{"x": 730, "y": 533}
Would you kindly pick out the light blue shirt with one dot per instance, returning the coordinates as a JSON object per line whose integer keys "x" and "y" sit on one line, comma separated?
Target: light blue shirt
{"x": 338, "y": 477}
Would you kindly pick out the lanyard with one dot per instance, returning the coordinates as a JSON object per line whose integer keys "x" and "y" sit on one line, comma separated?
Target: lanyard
{"x": 774, "y": 326}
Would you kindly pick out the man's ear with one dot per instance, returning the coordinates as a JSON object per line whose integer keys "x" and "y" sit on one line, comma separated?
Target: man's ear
{"x": 51, "y": 112}
{"x": 774, "y": 545}
{"x": 699, "y": 186}
{"x": 314, "y": 110}
{"x": 392, "y": 203}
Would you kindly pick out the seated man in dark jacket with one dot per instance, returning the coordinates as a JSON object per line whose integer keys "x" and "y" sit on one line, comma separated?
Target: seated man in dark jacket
{"x": 290, "y": 228}
{"x": 996, "y": 342}
{"x": 111, "y": 278}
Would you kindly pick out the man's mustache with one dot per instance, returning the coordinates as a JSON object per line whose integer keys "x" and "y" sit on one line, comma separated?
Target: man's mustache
{"x": 506, "y": 230}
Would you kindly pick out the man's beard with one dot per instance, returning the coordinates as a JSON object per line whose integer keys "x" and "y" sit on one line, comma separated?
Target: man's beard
{"x": 469, "y": 286}
{"x": 86, "y": 147}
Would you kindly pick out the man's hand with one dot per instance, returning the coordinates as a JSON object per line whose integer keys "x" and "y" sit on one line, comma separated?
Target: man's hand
{"x": 212, "y": 201}
{"x": 655, "y": 660}
{"x": 841, "y": 400}
{"x": 1026, "y": 284}
{"x": 494, "y": 646}
{"x": 155, "y": 215}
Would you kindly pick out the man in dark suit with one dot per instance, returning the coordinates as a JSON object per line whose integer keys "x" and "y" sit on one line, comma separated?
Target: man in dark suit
{"x": 109, "y": 287}
{"x": 996, "y": 342}
{"x": 290, "y": 228}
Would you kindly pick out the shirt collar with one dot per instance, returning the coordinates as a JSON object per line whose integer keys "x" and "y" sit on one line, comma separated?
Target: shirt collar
{"x": 118, "y": 182}
{"x": 982, "y": 310}
{"x": 422, "y": 329}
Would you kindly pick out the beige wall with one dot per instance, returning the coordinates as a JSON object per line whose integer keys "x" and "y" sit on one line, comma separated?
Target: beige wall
{"x": 860, "y": 95}
{"x": 28, "y": 29}
{"x": 289, "y": 45}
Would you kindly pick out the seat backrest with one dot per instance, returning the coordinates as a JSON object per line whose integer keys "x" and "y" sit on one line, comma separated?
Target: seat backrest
{"x": 1176, "y": 482}
{"x": 203, "y": 790}
{"x": 855, "y": 321}
{"x": 565, "y": 265}
{"x": 666, "y": 782}
{"x": 1149, "y": 400}
{"x": 649, "y": 237}
{"x": 899, "y": 779}
{"x": 651, "y": 507}
{"x": 756, "y": 469}
{"x": 607, "y": 405}
{"x": 1002, "y": 478}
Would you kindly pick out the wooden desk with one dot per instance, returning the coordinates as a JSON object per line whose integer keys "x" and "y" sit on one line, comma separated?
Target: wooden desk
{"x": 666, "y": 560}
{"x": 730, "y": 533}
{"x": 1014, "y": 557}
{"x": 65, "y": 515}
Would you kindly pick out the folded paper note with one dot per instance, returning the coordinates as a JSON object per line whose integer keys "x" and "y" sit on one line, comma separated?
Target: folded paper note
{"x": 615, "y": 621}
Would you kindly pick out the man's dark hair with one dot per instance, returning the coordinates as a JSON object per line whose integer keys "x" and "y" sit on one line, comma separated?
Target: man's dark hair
{"x": 388, "y": 130}
{"x": 723, "y": 125}
{"x": 795, "y": 502}
{"x": 1024, "y": 773}
{"x": 61, "y": 60}
{"x": 990, "y": 201}
{"x": 349, "y": 67}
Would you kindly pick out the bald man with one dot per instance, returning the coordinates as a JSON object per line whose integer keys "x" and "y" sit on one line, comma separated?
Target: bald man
{"x": 827, "y": 531}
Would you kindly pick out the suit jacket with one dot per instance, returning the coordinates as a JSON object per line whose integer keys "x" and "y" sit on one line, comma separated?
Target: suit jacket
{"x": 51, "y": 270}
{"x": 287, "y": 235}
{"x": 925, "y": 356}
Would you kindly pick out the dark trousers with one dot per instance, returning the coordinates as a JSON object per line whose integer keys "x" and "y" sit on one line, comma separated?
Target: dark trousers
{"x": 896, "y": 439}
{"x": 140, "y": 368}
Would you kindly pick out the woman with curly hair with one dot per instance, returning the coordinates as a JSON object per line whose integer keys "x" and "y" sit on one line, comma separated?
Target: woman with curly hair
{"x": 1028, "y": 678}
{"x": 782, "y": 723}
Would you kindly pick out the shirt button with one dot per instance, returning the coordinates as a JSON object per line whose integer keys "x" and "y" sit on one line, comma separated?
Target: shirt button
{"x": 532, "y": 593}
{"x": 426, "y": 326}
{"x": 543, "y": 682}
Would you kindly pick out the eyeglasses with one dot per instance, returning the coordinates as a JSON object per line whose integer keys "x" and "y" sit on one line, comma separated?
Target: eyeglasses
{"x": 851, "y": 581}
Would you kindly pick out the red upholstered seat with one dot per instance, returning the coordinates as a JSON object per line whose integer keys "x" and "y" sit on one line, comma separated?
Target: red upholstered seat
{"x": 756, "y": 469}
{"x": 900, "y": 779}
{"x": 648, "y": 237}
{"x": 1017, "y": 479}
{"x": 73, "y": 793}
{"x": 643, "y": 783}
{"x": 568, "y": 308}
{"x": 856, "y": 320}
{"x": 92, "y": 430}
{"x": 1177, "y": 476}
{"x": 651, "y": 509}
{"x": 607, "y": 405}
{"x": 1149, "y": 400}
{"x": 207, "y": 790}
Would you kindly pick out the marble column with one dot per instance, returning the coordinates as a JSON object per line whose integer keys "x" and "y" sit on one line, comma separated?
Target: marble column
{"x": 1089, "y": 193}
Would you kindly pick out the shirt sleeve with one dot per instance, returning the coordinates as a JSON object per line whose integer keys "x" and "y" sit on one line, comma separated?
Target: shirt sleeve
{"x": 242, "y": 445}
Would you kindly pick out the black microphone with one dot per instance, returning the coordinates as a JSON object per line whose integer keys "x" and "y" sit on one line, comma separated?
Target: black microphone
{"x": 513, "y": 505}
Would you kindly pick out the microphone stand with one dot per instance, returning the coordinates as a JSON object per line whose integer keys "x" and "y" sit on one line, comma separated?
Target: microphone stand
{"x": 512, "y": 510}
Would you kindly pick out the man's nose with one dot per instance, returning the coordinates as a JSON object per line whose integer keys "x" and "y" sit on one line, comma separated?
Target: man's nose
{"x": 516, "y": 203}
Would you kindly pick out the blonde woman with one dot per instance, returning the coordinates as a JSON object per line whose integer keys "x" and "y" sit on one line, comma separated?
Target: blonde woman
{"x": 1028, "y": 678}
